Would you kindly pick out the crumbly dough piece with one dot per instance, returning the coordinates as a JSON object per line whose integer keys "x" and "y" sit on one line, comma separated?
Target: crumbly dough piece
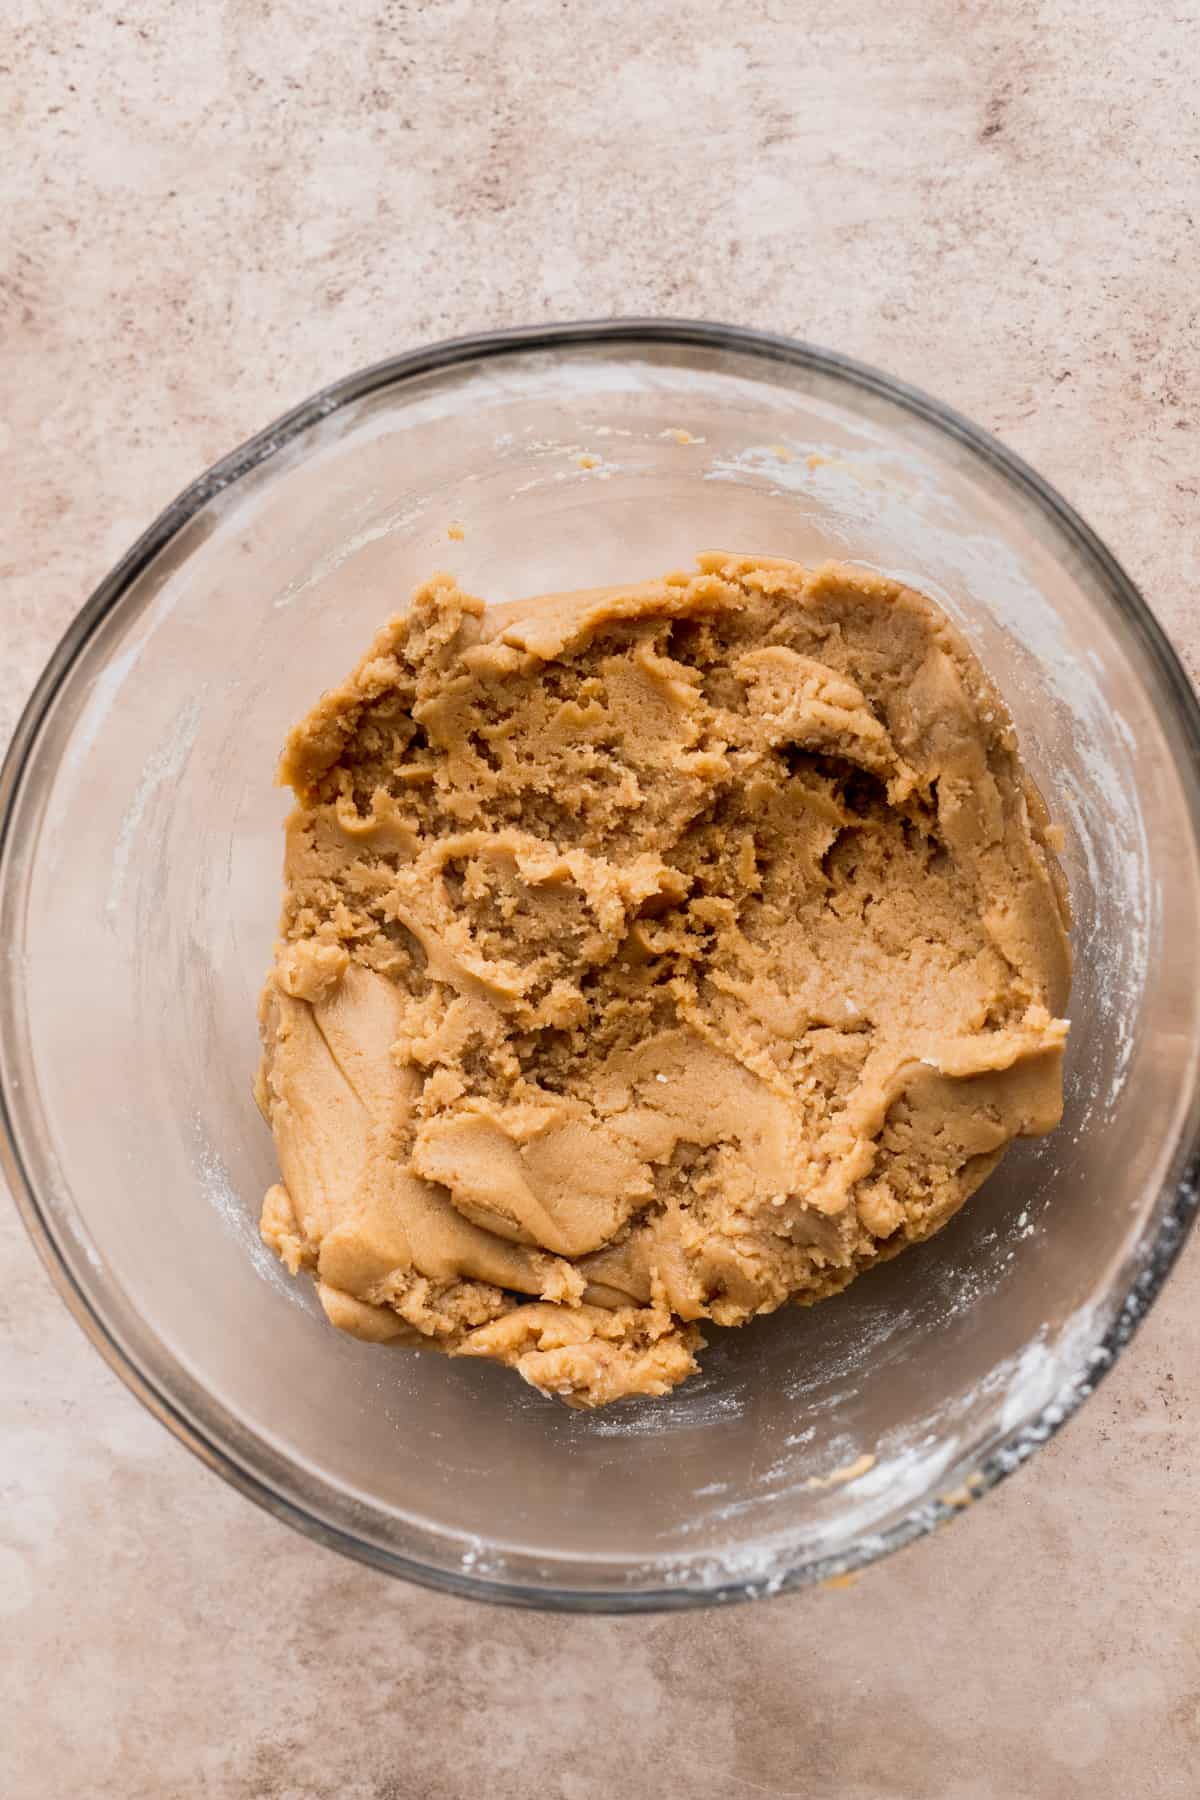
{"x": 650, "y": 955}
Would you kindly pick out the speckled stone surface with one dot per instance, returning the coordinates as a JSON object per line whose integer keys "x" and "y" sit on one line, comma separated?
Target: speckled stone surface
{"x": 208, "y": 212}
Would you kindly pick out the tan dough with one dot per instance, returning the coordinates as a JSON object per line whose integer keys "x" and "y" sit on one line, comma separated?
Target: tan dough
{"x": 650, "y": 955}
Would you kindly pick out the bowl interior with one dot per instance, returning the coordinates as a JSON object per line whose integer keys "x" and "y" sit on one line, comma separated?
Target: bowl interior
{"x": 142, "y": 890}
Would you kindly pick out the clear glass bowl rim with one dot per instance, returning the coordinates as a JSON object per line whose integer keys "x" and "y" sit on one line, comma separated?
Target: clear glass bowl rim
{"x": 1176, "y": 1205}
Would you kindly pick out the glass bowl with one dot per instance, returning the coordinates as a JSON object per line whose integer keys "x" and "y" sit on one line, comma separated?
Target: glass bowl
{"x": 141, "y": 852}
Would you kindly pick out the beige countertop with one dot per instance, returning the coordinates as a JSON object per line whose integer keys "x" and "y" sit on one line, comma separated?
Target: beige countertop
{"x": 207, "y": 213}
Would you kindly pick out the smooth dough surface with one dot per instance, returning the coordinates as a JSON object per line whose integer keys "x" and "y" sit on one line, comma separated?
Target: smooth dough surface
{"x": 650, "y": 955}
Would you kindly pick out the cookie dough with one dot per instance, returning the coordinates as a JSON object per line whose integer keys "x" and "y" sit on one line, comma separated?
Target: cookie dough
{"x": 650, "y": 955}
